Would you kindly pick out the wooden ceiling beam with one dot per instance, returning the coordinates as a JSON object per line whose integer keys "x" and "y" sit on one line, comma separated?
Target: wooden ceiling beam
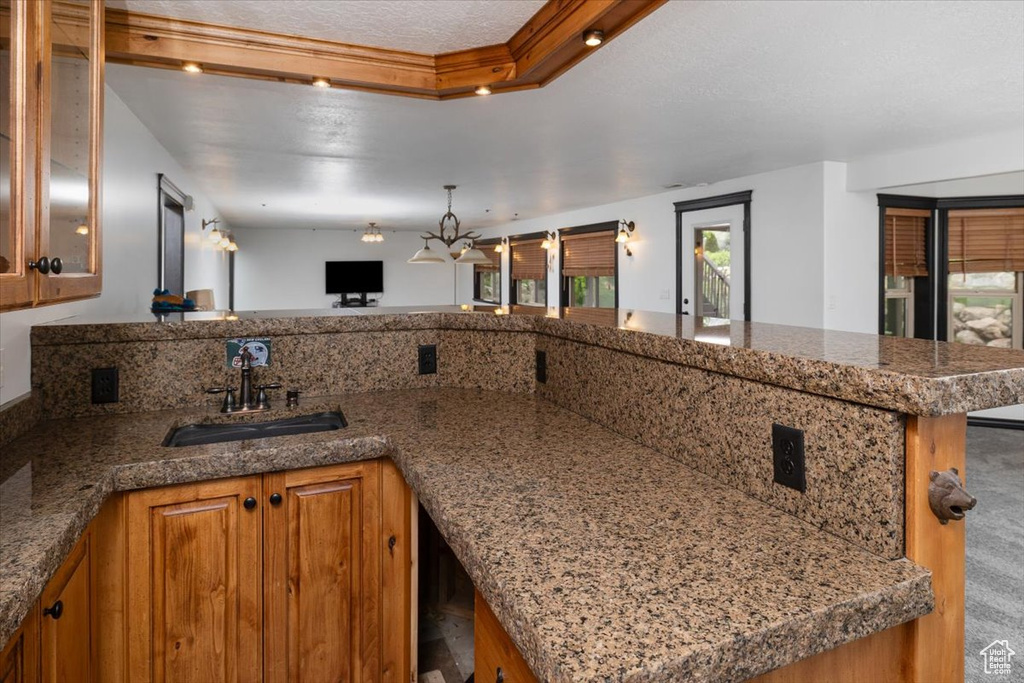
{"x": 545, "y": 47}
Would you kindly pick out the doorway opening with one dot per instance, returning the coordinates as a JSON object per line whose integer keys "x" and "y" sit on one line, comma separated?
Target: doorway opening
{"x": 712, "y": 253}
{"x": 172, "y": 204}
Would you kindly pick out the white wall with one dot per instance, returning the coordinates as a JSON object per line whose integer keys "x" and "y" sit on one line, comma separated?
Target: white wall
{"x": 132, "y": 158}
{"x": 284, "y": 269}
{"x": 787, "y": 236}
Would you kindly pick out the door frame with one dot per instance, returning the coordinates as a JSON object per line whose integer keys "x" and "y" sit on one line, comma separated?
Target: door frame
{"x": 168, "y": 190}
{"x": 715, "y": 202}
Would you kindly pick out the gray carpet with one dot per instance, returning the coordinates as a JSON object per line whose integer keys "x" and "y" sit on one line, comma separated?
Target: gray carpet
{"x": 995, "y": 548}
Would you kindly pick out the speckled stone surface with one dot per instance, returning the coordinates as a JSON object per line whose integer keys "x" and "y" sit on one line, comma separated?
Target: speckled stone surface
{"x": 19, "y": 416}
{"x": 172, "y": 373}
{"x": 904, "y": 375}
{"x": 603, "y": 559}
{"x": 722, "y": 426}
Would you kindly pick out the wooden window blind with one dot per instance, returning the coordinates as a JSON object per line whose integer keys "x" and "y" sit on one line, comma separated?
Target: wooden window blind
{"x": 495, "y": 258}
{"x": 986, "y": 240}
{"x": 593, "y": 316}
{"x": 529, "y": 261}
{"x": 591, "y": 254}
{"x": 905, "y": 252}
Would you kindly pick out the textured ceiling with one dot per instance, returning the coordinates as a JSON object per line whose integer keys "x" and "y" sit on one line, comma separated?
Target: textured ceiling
{"x": 698, "y": 92}
{"x": 427, "y": 26}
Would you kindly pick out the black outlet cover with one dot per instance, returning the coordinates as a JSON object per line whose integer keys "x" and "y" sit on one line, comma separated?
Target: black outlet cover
{"x": 788, "y": 457}
{"x": 542, "y": 366}
{"x": 104, "y": 385}
{"x": 427, "y": 363}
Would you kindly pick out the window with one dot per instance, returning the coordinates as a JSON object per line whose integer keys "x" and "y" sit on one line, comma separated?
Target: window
{"x": 986, "y": 277}
{"x": 905, "y": 248}
{"x": 529, "y": 271}
{"x": 589, "y": 268}
{"x": 487, "y": 277}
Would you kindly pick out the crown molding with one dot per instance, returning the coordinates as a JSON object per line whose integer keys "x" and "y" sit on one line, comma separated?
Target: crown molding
{"x": 545, "y": 47}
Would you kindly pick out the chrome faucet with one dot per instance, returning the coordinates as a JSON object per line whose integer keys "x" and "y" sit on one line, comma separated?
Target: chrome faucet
{"x": 246, "y": 402}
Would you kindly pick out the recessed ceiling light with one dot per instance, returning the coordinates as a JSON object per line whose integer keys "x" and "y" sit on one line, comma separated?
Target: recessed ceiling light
{"x": 192, "y": 68}
{"x": 483, "y": 90}
{"x": 593, "y": 37}
{"x": 321, "y": 82}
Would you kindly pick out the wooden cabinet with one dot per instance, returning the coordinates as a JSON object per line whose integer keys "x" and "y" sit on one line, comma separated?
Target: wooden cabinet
{"x": 495, "y": 657}
{"x": 226, "y": 581}
{"x": 19, "y": 660}
{"x": 51, "y": 126}
{"x": 322, "y": 574}
{"x": 194, "y": 582}
{"x": 66, "y": 622}
{"x": 285, "y": 577}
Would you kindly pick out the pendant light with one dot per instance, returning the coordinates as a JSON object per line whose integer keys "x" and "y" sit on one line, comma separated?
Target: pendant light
{"x": 448, "y": 234}
{"x": 425, "y": 255}
{"x": 473, "y": 256}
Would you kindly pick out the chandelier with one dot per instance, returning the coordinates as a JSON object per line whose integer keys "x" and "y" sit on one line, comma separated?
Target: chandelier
{"x": 448, "y": 234}
{"x": 372, "y": 234}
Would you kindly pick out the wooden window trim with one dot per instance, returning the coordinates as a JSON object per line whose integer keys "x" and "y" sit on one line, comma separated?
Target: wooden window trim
{"x": 568, "y": 234}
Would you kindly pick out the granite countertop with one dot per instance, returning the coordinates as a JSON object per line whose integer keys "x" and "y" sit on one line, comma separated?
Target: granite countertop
{"x": 603, "y": 559}
{"x": 912, "y": 376}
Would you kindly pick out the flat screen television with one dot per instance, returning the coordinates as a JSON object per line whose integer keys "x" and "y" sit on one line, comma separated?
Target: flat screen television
{"x": 354, "y": 277}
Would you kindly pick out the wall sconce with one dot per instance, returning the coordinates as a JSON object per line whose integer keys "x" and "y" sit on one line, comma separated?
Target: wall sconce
{"x": 626, "y": 229}
{"x": 214, "y": 235}
{"x": 501, "y": 245}
{"x": 550, "y": 244}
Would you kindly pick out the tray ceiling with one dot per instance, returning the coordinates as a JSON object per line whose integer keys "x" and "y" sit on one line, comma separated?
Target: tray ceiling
{"x": 701, "y": 92}
{"x": 425, "y": 26}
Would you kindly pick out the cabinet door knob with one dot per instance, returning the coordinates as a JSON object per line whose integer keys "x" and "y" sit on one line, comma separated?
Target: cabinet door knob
{"x": 391, "y": 544}
{"x": 42, "y": 265}
{"x": 249, "y": 503}
{"x": 500, "y": 677}
{"x": 275, "y": 498}
{"x": 56, "y": 265}
{"x": 55, "y": 611}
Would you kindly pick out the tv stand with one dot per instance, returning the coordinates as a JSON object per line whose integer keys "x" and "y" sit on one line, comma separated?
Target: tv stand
{"x": 354, "y": 301}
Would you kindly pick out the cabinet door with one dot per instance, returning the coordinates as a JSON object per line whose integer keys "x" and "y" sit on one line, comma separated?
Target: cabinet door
{"x": 194, "y": 582}
{"x": 66, "y": 625}
{"x": 19, "y": 660}
{"x": 495, "y": 656}
{"x": 18, "y": 131}
{"x": 322, "y": 562}
{"x": 70, "y": 150}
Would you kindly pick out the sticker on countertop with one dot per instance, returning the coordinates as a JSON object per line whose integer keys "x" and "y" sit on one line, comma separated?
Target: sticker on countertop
{"x": 258, "y": 347}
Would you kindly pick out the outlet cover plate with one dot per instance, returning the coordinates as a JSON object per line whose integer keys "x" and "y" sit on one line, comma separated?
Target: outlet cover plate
{"x": 427, "y": 360}
{"x": 105, "y": 385}
{"x": 788, "y": 457}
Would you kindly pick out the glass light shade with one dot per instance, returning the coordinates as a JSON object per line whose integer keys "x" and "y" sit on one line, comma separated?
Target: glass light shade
{"x": 546, "y": 244}
{"x": 214, "y": 235}
{"x": 499, "y": 247}
{"x": 622, "y": 237}
{"x": 378, "y": 238}
{"x": 82, "y": 229}
{"x": 425, "y": 255}
{"x": 224, "y": 242}
{"x": 232, "y": 246}
{"x": 473, "y": 256}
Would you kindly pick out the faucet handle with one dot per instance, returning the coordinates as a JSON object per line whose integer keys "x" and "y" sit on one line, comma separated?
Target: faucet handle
{"x": 229, "y": 404}
{"x": 261, "y": 394}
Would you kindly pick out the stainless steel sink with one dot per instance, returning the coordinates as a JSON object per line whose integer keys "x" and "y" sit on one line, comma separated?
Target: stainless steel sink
{"x": 197, "y": 434}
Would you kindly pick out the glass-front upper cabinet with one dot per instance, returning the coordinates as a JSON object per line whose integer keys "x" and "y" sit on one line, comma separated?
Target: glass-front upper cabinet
{"x": 51, "y": 150}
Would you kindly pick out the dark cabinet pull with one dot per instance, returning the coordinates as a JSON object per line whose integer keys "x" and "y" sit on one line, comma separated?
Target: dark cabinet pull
{"x": 275, "y": 498}
{"x": 500, "y": 678}
{"x": 55, "y": 611}
{"x": 249, "y": 503}
{"x": 46, "y": 265}
{"x": 42, "y": 265}
{"x": 391, "y": 544}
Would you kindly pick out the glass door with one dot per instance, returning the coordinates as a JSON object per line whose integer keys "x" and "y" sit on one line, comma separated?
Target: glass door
{"x": 72, "y": 91}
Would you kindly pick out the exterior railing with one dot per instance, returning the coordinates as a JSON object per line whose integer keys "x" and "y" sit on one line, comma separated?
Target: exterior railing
{"x": 715, "y": 288}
